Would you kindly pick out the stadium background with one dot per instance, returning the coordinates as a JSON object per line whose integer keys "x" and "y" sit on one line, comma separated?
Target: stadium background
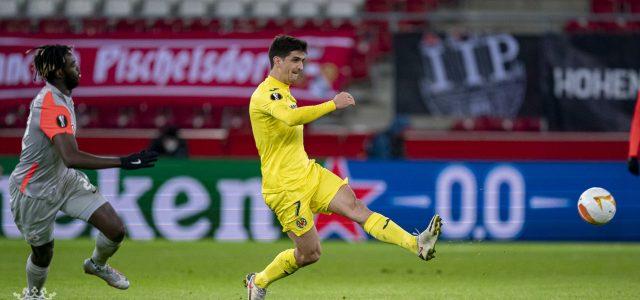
{"x": 496, "y": 114}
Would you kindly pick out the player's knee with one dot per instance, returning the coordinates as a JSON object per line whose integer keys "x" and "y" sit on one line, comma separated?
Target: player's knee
{"x": 311, "y": 258}
{"x": 119, "y": 233}
{"x": 359, "y": 212}
{"x": 361, "y": 207}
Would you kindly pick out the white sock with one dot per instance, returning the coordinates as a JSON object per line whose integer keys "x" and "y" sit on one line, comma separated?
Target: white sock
{"x": 105, "y": 248}
{"x": 36, "y": 276}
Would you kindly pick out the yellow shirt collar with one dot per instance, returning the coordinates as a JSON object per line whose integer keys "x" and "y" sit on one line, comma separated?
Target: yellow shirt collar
{"x": 276, "y": 83}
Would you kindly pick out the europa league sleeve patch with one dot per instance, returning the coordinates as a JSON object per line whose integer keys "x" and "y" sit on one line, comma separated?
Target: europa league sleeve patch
{"x": 62, "y": 121}
{"x": 276, "y": 96}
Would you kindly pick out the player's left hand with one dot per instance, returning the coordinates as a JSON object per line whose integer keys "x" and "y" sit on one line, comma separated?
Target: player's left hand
{"x": 343, "y": 100}
{"x": 142, "y": 159}
{"x": 633, "y": 165}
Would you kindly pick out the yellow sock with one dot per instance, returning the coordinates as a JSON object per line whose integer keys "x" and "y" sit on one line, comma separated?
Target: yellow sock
{"x": 383, "y": 229}
{"x": 283, "y": 265}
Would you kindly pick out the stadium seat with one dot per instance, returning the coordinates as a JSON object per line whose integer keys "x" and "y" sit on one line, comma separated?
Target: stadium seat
{"x": 414, "y": 6}
{"x": 307, "y": 24}
{"x": 379, "y": 36}
{"x": 266, "y": 9}
{"x": 245, "y": 25}
{"x": 236, "y": 118}
{"x": 304, "y": 9}
{"x": 168, "y": 25}
{"x": 131, "y": 25}
{"x": 576, "y": 26}
{"x": 41, "y": 8}
{"x": 17, "y": 26}
{"x": 228, "y": 9}
{"x": 379, "y": 6}
{"x": 117, "y": 8}
{"x": 192, "y": 9}
{"x": 634, "y": 6}
{"x": 202, "y": 25}
{"x": 341, "y": 10}
{"x": 93, "y": 26}
{"x": 79, "y": 8}
{"x": 8, "y": 8}
{"x": 604, "y": 6}
{"x": 465, "y": 124}
{"x": 412, "y": 25}
{"x": 273, "y": 24}
{"x": 205, "y": 116}
{"x": 156, "y": 9}
{"x": 528, "y": 124}
{"x": 54, "y": 26}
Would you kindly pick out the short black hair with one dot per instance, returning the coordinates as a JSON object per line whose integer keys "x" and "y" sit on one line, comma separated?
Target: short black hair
{"x": 49, "y": 58}
{"x": 282, "y": 45}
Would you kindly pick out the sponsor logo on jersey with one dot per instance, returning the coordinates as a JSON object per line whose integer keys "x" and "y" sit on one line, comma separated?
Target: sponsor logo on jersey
{"x": 276, "y": 96}
{"x": 62, "y": 121}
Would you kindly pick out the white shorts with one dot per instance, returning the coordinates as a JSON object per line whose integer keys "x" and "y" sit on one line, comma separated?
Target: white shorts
{"x": 77, "y": 198}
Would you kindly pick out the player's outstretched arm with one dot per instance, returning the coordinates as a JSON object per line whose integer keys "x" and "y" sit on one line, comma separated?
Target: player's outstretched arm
{"x": 307, "y": 114}
{"x": 67, "y": 147}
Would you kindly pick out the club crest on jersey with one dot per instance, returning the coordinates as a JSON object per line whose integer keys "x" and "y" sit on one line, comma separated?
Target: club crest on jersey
{"x": 301, "y": 223}
{"x": 276, "y": 96}
{"x": 62, "y": 121}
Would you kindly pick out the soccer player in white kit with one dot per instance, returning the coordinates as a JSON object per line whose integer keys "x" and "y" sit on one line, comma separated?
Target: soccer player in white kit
{"x": 46, "y": 181}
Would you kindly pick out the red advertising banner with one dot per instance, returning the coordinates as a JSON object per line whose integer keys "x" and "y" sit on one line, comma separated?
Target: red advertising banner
{"x": 222, "y": 69}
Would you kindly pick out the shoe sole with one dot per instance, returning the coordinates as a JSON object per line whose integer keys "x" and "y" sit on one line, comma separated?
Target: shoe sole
{"x": 430, "y": 253}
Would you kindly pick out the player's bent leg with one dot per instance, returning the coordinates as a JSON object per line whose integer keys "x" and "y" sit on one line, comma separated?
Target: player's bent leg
{"x": 308, "y": 248}
{"x": 345, "y": 203}
{"x": 108, "y": 222}
{"x": 38, "y": 267}
{"x": 307, "y": 251}
{"x": 112, "y": 232}
{"x": 383, "y": 228}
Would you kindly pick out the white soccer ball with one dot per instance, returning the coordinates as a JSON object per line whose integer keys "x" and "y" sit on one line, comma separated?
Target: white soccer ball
{"x": 596, "y": 206}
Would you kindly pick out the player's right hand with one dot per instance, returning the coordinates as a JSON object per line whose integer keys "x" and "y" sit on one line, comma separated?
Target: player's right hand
{"x": 142, "y": 159}
{"x": 343, "y": 100}
{"x": 634, "y": 165}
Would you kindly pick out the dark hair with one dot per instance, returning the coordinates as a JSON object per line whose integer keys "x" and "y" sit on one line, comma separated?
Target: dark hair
{"x": 48, "y": 59}
{"x": 282, "y": 45}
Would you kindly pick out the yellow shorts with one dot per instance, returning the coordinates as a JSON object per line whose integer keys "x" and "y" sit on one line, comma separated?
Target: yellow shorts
{"x": 295, "y": 209}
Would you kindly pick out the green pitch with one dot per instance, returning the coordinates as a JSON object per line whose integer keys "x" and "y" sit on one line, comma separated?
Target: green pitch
{"x": 210, "y": 270}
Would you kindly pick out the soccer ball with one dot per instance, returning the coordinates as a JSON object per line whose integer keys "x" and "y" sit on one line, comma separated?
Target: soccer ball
{"x": 596, "y": 206}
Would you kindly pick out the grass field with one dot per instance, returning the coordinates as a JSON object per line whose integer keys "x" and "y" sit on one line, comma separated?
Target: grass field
{"x": 210, "y": 270}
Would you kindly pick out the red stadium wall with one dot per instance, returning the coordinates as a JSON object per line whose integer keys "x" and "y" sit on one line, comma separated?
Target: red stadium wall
{"x": 418, "y": 145}
{"x": 516, "y": 146}
{"x": 201, "y": 143}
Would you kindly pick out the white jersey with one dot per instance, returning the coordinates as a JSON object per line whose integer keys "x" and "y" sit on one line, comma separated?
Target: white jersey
{"x": 41, "y": 169}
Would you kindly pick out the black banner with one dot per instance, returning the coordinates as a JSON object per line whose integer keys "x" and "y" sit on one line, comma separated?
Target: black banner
{"x": 590, "y": 82}
{"x": 584, "y": 83}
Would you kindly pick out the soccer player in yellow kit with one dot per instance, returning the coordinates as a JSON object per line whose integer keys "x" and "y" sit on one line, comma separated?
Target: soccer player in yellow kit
{"x": 294, "y": 186}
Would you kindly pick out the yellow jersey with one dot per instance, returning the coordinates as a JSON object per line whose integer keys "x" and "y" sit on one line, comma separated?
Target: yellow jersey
{"x": 277, "y": 125}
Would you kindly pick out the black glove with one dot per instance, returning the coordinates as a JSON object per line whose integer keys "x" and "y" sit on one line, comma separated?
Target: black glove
{"x": 633, "y": 165}
{"x": 142, "y": 159}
